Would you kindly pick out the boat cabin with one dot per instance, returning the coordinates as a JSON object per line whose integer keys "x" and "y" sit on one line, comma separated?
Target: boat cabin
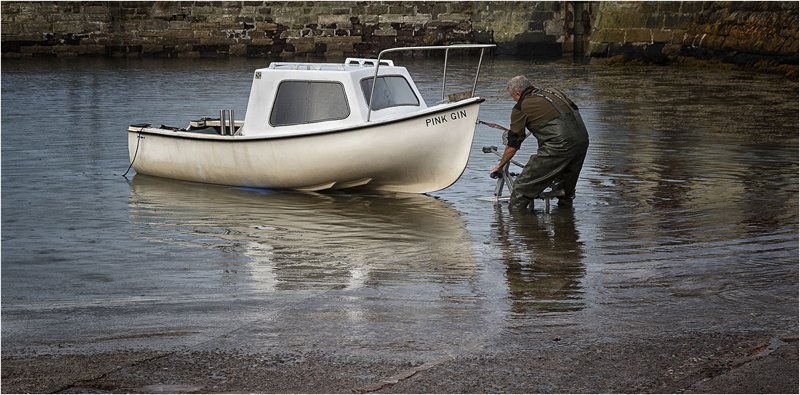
{"x": 297, "y": 98}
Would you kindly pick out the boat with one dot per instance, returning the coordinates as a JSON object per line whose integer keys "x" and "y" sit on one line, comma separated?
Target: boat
{"x": 321, "y": 126}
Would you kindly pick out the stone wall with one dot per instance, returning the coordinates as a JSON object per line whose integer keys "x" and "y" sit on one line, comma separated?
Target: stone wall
{"x": 750, "y": 34}
{"x": 274, "y": 29}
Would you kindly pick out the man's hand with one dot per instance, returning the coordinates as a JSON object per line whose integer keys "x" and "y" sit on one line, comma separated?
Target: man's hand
{"x": 496, "y": 172}
{"x": 508, "y": 153}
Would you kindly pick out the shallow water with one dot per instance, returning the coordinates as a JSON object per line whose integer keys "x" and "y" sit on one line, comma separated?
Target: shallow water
{"x": 686, "y": 217}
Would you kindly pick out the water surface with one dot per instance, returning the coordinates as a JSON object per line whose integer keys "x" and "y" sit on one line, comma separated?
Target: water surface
{"x": 686, "y": 218}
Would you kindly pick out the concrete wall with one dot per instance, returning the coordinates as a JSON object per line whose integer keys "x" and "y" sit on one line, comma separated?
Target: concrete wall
{"x": 274, "y": 29}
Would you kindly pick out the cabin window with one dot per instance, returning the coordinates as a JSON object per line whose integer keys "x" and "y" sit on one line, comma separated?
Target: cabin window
{"x": 299, "y": 102}
{"x": 391, "y": 91}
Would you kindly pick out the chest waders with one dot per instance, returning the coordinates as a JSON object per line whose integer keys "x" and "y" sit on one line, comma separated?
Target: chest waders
{"x": 558, "y": 161}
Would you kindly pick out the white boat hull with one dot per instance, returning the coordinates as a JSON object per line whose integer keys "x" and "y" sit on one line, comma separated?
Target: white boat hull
{"x": 419, "y": 153}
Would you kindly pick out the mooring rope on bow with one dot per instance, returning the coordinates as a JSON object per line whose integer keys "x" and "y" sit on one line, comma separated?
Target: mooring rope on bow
{"x": 493, "y": 125}
{"x": 135, "y": 152}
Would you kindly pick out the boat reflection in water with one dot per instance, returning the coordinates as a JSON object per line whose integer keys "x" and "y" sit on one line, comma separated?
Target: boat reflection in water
{"x": 294, "y": 240}
{"x": 543, "y": 255}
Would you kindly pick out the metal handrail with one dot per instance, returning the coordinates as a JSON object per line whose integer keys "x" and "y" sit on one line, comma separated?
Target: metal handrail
{"x": 447, "y": 49}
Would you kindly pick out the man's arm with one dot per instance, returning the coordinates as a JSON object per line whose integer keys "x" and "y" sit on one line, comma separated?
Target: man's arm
{"x": 508, "y": 154}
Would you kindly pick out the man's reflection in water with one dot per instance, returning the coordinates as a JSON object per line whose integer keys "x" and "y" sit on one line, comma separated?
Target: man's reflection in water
{"x": 543, "y": 257}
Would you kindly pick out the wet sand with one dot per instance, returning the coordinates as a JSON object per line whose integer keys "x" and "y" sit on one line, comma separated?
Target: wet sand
{"x": 544, "y": 362}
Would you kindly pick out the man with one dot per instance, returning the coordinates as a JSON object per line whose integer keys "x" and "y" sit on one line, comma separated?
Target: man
{"x": 557, "y": 125}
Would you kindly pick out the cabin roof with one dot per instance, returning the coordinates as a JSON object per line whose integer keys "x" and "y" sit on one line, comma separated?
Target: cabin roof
{"x": 281, "y": 103}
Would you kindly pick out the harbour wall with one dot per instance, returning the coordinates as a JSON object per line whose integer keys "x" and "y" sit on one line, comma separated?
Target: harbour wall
{"x": 274, "y": 29}
{"x": 750, "y": 34}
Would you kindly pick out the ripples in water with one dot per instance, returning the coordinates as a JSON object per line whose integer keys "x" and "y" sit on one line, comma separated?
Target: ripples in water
{"x": 348, "y": 238}
{"x": 686, "y": 213}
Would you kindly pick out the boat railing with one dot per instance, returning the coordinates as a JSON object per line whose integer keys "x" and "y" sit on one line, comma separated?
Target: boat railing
{"x": 446, "y": 49}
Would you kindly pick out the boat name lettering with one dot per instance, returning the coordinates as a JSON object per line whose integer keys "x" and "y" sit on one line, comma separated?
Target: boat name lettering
{"x": 439, "y": 119}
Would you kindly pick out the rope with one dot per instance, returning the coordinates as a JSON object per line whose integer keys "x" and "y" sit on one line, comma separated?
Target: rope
{"x": 136, "y": 152}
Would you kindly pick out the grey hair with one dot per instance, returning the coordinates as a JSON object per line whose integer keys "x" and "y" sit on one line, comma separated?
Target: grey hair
{"x": 518, "y": 84}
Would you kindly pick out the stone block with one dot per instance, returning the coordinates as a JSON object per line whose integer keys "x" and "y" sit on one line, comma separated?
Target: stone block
{"x": 668, "y": 7}
{"x": 65, "y": 27}
{"x": 631, "y": 21}
{"x": 338, "y": 20}
{"x": 638, "y": 36}
{"x": 385, "y": 31}
{"x": 678, "y": 36}
{"x": 151, "y": 48}
{"x": 454, "y": 17}
{"x": 8, "y": 8}
{"x": 672, "y": 51}
{"x": 91, "y": 49}
{"x": 238, "y": 49}
{"x": 661, "y": 35}
{"x": 209, "y": 40}
{"x": 716, "y": 29}
{"x": 154, "y": 25}
{"x": 789, "y": 47}
{"x": 146, "y": 35}
{"x": 262, "y": 41}
{"x": 342, "y": 11}
{"x": 179, "y": 25}
{"x": 442, "y": 25}
{"x": 250, "y": 9}
{"x": 403, "y": 8}
{"x": 339, "y": 46}
{"x": 654, "y": 20}
{"x": 536, "y": 25}
{"x": 717, "y": 42}
{"x": 376, "y": 8}
{"x": 368, "y": 19}
{"x": 95, "y": 9}
{"x": 27, "y": 18}
{"x": 417, "y": 19}
{"x": 691, "y": 7}
{"x": 612, "y": 36}
{"x": 554, "y": 28}
{"x": 302, "y": 44}
{"x": 178, "y": 35}
{"x": 266, "y": 26}
{"x": 390, "y": 18}
{"x": 290, "y": 33}
{"x": 678, "y": 21}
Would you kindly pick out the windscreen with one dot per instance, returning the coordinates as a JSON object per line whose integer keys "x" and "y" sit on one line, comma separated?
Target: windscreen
{"x": 299, "y": 102}
{"x": 391, "y": 91}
